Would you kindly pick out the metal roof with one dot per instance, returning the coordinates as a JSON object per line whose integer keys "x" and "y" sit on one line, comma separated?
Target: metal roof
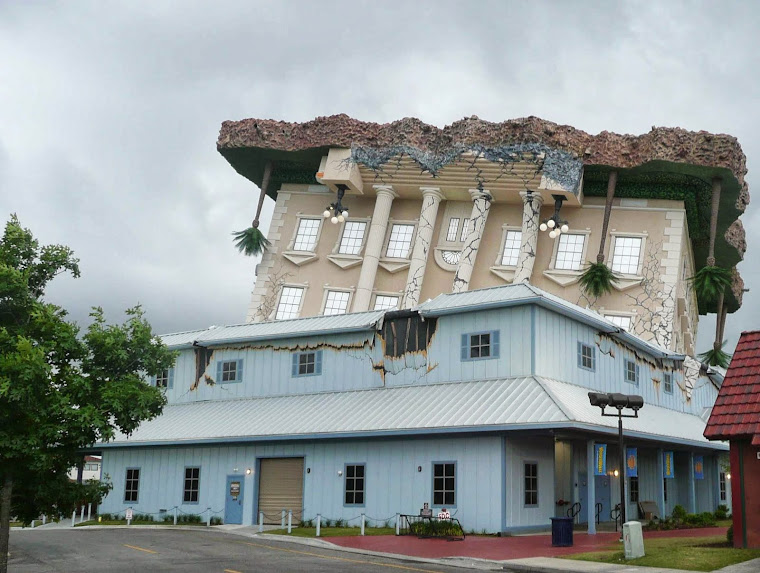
{"x": 525, "y": 293}
{"x": 525, "y": 403}
{"x": 310, "y": 326}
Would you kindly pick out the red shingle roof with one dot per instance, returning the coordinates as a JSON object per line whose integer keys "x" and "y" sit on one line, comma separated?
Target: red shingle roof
{"x": 737, "y": 410}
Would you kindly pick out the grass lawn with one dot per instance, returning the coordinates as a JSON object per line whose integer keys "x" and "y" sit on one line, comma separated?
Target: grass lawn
{"x": 692, "y": 554}
{"x": 335, "y": 531}
{"x": 124, "y": 522}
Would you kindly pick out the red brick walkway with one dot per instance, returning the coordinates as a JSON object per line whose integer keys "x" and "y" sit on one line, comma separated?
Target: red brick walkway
{"x": 500, "y": 548}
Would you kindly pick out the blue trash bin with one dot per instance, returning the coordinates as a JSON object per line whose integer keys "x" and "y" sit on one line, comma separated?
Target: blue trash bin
{"x": 562, "y": 531}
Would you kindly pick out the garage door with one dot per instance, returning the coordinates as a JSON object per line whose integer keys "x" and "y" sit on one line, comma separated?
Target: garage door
{"x": 281, "y": 487}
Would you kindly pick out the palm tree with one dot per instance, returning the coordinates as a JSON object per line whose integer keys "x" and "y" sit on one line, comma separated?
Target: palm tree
{"x": 597, "y": 278}
{"x": 251, "y": 241}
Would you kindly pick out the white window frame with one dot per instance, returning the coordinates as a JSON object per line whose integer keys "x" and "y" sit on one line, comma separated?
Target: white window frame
{"x": 505, "y": 230}
{"x": 386, "y": 242}
{"x": 283, "y": 286}
{"x": 461, "y": 210}
{"x": 584, "y": 250}
{"x": 632, "y": 315}
{"x": 565, "y": 277}
{"x": 614, "y": 236}
{"x": 327, "y": 290}
{"x": 360, "y": 252}
{"x": 396, "y": 295}
{"x": 299, "y": 218}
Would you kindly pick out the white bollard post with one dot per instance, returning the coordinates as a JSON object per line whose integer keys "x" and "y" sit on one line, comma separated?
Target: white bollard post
{"x": 81, "y": 514}
{"x": 175, "y": 515}
{"x": 319, "y": 523}
{"x": 33, "y": 523}
{"x": 44, "y": 519}
{"x": 208, "y": 517}
{"x": 362, "y": 524}
{"x": 129, "y": 522}
{"x": 89, "y": 509}
{"x": 282, "y": 520}
{"x": 73, "y": 518}
{"x": 398, "y": 523}
{"x": 290, "y": 521}
{"x": 261, "y": 521}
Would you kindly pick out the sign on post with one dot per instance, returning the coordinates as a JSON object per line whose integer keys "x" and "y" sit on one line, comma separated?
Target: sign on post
{"x": 128, "y": 514}
{"x": 444, "y": 514}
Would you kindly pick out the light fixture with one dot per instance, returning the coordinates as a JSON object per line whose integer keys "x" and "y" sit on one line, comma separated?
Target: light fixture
{"x": 340, "y": 473}
{"x": 728, "y": 476}
{"x": 419, "y": 468}
{"x": 554, "y": 224}
{"x": 337, "y": 212}
{"x": 248, "y": 471}
{"x": 616, "y": 473}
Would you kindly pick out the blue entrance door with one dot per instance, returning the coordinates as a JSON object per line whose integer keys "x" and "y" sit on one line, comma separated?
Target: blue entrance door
{"x": 602, "y": 494}
{"x": 233, "y": 506}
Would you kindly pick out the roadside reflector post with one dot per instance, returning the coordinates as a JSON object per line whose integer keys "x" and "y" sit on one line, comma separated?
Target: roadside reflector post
{"x": 261, "y": 521}
{"x": 208, "y": 517}
{"x": 73, "y": 518}
{"x": 398, "y": 523}
{"x": 362, "y": 524}
{"x": 319, "y": 523}
{"x": 290, "y": 520}
{"x": 175, "y": 515}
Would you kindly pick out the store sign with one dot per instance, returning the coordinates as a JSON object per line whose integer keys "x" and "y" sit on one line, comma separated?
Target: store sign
{"x": 444, "y": 514}
{"x": 631, "y": 462}
{"x": 668, "y": 465}
{"x": 600, "y": 459}
{"x": 234, "y": 489}
{"x": 699, "y": 467}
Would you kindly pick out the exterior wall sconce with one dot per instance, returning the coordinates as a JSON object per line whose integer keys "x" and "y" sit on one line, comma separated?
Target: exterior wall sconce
{"x": 419, "y": 468}
{"x": 554, "y": 224}
{"x": 340, "y": 473}
{"x": 619, "y": 402}
{"x": 728, "y": 475}
{"x": 336, "y": 212}
{"x": 248, "y": 471}
{"x": 308, "y": 470}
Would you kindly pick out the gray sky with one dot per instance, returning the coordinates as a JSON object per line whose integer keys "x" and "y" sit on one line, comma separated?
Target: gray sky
{"x": 109, "y": 113}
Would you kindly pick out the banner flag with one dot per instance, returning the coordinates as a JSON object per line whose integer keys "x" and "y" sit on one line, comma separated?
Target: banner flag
{"x": 699, "y": 467}
{"x": 668, "y": 466}
{"x": 631, "y": 462}
{"x": 600, "y": 459}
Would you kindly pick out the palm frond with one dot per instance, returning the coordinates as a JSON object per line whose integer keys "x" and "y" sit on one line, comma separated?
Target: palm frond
{"x": 597, "y": 279}
{"x": 251, "y": 241}
{"x": 709, "y": 282}
{"x": 716, "y": 357}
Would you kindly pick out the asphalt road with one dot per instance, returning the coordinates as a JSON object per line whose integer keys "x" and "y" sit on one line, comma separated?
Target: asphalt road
{"x": 117, "y": 550}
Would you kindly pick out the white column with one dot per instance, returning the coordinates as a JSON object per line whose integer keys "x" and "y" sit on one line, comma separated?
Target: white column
{"x": 692, "y": 485}
{"x": 660, "y": 482}
{"x": 530, "y": 221}
{"x": 481, "y": 205}
{"x": 590, "y": 488}
{"x": 374, "y": 246}
{"x": 431, "y": 199}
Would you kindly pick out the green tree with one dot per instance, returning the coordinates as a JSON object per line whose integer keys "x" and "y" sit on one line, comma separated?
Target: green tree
{"x": 61, "y": 390}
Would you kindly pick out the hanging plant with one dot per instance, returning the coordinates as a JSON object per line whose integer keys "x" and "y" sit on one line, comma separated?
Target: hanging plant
{"x": 597, "y": 279}
{"x": 251, "y": 241}
{"x": 709, "y": 282}
{"x": 716, "y": 356}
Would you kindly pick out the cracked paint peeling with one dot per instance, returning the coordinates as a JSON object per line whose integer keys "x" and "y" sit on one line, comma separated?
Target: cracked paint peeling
{"x": 530, "y": 222}
{"x": 691, "y": 370}
{"x": 481, "y": 205}
{"x": 430, "y": 202}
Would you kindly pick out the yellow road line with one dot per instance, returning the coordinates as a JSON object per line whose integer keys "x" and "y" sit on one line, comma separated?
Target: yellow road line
{"x": 309, "y": 553}
{"x": 140, "y": 548}
{"x": 231, "y": 571}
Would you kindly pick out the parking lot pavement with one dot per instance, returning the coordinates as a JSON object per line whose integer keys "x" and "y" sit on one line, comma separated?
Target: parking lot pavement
{"x": 122, "y": 550}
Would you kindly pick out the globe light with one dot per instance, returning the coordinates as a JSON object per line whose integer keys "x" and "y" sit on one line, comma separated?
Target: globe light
{"x": 345, "y": 214}
{"x": 558, "y": 231}
{"x": 341, "y": 218}
{"x": 326, "y": 213}
{"x": 552, "y": 234}
{"x": 565, "y": 228}
{"x": 550, "y": 223}
{"x": 334, "y": 220}
{"x": 543, "y": 226}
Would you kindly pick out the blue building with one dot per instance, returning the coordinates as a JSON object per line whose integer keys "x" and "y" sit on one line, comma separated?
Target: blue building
{"x": 474, "y": 401}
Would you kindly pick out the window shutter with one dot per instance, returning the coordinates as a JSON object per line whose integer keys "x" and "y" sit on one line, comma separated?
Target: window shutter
{"x": 294, "y": 366}
{"x": 495, "y": 344}
{"x": 637, "y": 375}
{"x": 219, "y": 372}
{"x": 318, "y": 362}
{"x": 580, "y": 354}
{"x": 593, "y": 358}
{"x": 239, "y": 371}
{"x": 465, "y": 347}
{"x": 170, "y": 383}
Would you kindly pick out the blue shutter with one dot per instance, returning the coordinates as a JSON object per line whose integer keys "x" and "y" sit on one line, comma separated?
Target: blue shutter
{"x": 465, "y": 347}
{"x": 170, "y": 383}
{"x": 495, "y": 344}
{"x": 593, "y": 359}
{"x": 239, "y": 371}
{"x": 219, "y": 372}
{"x": 637, "y": 375}
{"x": 294, "y": 366}
{"x": 580, "y": 354}
{"x": 318, "y": 362}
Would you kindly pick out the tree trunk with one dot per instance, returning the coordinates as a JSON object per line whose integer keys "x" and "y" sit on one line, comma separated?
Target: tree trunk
{"x": 714, "y": 220}
{"x": 5, "y": 521}
{"x": 719, "y": 323}
{"x": 264, "y": 185}
{"x": 607, "y": 212}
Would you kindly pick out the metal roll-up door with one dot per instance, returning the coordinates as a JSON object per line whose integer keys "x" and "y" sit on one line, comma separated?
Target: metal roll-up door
{"x": 281, "y": 487}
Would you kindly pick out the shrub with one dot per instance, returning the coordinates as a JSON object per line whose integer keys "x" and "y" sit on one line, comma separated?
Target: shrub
{"x": 679, "y": 513}
{"x": 721, "y": 512}
{"x": 340, "y": 523}
{"x": 142, "y": 517}
{"x": 328, "y": 523}
{"x": 216, "y": 521}
{"x": 106, "y": 516}
{"x": 309, "y": 523}
{"x": 730, "y": 534}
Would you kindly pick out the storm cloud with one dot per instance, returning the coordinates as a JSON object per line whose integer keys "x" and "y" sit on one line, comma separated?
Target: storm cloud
{"x": 109, "y": 113}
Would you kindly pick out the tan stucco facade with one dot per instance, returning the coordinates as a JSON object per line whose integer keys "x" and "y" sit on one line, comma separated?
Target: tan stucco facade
{"x": 657, "y": 299}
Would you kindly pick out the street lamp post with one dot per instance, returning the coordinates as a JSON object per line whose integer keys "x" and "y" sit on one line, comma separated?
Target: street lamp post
{"x": 619, "y": 402}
